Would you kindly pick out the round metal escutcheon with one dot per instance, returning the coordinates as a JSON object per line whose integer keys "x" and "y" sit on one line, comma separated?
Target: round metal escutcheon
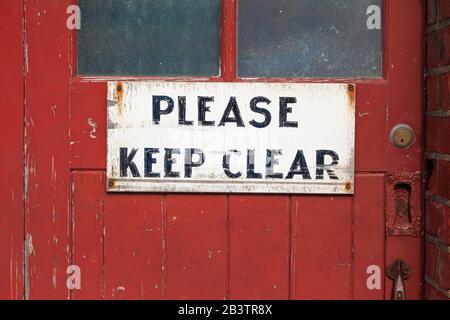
{"x": 402, "y": 136}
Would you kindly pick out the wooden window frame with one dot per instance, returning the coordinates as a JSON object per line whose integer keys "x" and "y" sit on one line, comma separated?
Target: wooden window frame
{"x": 228, "y": 57}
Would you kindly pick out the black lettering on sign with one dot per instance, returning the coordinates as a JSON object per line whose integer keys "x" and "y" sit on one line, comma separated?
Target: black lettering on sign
{"x": 126, "y": 161}
{"x": 226, "y": 164}
{"x": 149, "y": 161}
{"x": 285, "y": 110}
{"x": 189, "y": 163}
{"x": 202, "y": 109}
{"x": 267, "y": 116}
{"x": 157, "y": 112}
{"x": 168, "y": 163}
{"x": 321, "y": 166}
{"x": 232, "y": 107}
{"x": 271, "y": 162}
{"x": 299, "y": 167}
{"x": 182, "y": 112}
{"x": 251, "y": 174}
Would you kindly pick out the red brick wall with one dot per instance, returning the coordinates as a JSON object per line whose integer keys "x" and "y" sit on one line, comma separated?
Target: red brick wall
{"x": 437, "y": 249}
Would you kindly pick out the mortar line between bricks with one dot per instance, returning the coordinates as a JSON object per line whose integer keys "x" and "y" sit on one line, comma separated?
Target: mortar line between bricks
{"x": 437, "y": 287}
{"x": 437, "y": 156}
{"x": 439, "y": 26}
{"x": 442, "y": 245}
{"x": 438, "y": 71}
{"x": 439, "y": 114}
{"x": 438, "y": 199}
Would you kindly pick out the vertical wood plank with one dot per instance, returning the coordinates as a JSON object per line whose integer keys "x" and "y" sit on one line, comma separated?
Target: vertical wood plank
{"x": 259, "y": 247}
{"x": 133, "y": 246}
{"x": 406, "y": 65}
{"x": 11, "y": 146}
{"x": 196, "y": 246}
{"x": 322, "y": 247}
{"x": 228, "y": 40}
{"x": 47, "y": 175}
{"x": 88, "y": 125}
{"x": 405, "y": 43}
{"x": 87, "y": 225}
{"x": 369, "y": 235}
{"x": 370, "y": 120}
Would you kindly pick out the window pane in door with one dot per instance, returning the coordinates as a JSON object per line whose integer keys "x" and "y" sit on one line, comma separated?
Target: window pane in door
{"x": 310, "y": 38}
{"x": 149, "y": 38}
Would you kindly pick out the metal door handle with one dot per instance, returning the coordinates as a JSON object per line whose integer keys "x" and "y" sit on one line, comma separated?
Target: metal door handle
{"x": 398, "y": 271}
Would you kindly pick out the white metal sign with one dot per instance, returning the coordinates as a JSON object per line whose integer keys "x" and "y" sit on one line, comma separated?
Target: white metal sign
{"x": 231, "y": 137}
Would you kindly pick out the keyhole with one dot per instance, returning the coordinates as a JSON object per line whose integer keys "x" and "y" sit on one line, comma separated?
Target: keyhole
{"x": 402, "y": 136}
{"x": 403, "y": 204}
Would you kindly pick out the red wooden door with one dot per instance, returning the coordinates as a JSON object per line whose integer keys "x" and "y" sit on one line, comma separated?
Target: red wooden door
{"x": 223, "y": 246}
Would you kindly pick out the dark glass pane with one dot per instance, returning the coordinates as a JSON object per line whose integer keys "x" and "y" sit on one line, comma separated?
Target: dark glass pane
{"x": 308, "y": 39}
{"x": 149, "y": 37}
